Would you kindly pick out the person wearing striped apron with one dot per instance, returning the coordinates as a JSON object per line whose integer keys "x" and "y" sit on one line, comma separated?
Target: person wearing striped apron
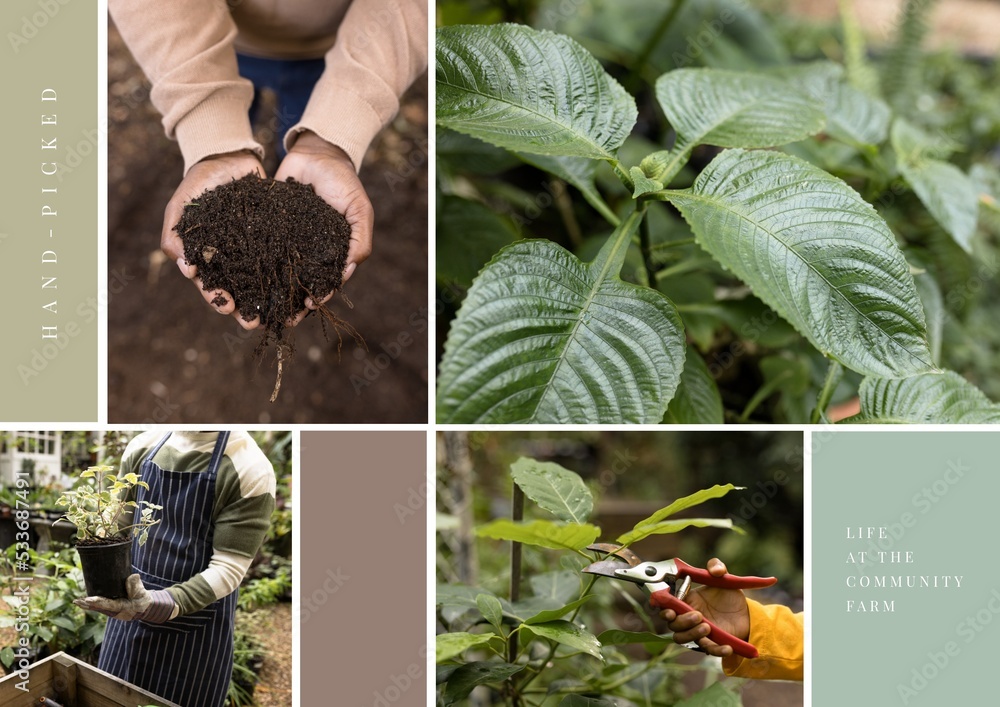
{"x": 173, "y": 635}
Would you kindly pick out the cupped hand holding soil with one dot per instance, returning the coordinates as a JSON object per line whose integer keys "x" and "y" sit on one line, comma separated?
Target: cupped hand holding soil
{"x": 313, "y": 160}
{"x": 203, "y": 176}
{"x": 272, "y": 245}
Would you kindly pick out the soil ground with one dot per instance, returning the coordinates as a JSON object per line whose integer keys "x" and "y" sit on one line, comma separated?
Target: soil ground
{"x": 275, "y": 686}
{"x": 172, "y": 359}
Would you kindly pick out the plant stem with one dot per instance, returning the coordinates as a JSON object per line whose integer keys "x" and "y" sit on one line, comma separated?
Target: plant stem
{"x": 516, "y": 514}
{"x": 762, "y": 394}
{"x": 552, "y": 649}
{"x": 833, "y": 375}
{"x": 565, "y": 207}
{"x": 647, "y": 255}
{"x": 603, "y": 209}
{"x": 654, "y": 39}
{"x": 675, "y": 244}
{"x": 623, "y": 176}
{"x": 682, "y": 267}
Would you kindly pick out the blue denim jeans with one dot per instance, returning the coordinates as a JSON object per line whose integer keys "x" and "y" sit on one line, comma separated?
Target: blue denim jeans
{"x": 292, "y": 80}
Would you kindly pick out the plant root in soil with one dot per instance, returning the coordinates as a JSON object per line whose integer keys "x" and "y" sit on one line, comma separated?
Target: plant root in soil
{"x": 270, "y": 245}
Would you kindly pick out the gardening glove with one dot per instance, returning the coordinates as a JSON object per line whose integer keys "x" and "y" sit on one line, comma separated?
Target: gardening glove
{"x": 156, "y": 606}
{"x": 727, "y": 608}
{"x": 211, "y": 172}
{"x": 313, "y": 160}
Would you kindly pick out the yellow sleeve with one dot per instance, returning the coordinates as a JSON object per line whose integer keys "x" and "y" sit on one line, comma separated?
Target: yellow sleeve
{"x": 779, "y": 635}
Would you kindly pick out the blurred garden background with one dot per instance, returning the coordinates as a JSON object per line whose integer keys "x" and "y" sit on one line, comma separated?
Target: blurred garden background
{"x": 52, "y": 461}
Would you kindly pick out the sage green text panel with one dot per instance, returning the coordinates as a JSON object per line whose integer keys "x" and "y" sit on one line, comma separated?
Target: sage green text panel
{"x": 922, "y": 506}
{"x": 48, "y": 226}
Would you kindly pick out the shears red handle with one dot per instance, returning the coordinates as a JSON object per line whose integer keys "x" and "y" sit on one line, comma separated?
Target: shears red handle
{"x": 726, "y": 581}
{"x": 664, "y": 599}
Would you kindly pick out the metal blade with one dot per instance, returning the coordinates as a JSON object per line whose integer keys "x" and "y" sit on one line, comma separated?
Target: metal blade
{"x": 607, "y": 567}
{"x": 623, "y": 553}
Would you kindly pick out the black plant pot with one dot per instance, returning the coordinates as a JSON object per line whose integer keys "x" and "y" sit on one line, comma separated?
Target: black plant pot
{"x": 106, "y": 567}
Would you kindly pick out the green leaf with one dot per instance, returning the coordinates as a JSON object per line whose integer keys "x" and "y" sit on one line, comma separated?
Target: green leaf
{"x": 943, "y": 398}
{"x": 716, "y": 695}
{"x": 489, "y": 606}
{"x": 568, "y": 634}
{"x": 561, "y": 585}
{"x": 689, "y": 501}
{"x": 642, "y": 183}
{"x": 554, "y": 488}
{"x": 63, "y": 622}
{"x": 545, "y": 338}
{"x": 675, "y": 526}
{"x": 457, "y": 599}
{"x": 852, "y": 116}
{"x": 616, "y": 637}
{"x": 553, "y": 614}
{"x": 815, "y": 252}
{"x": 948, "y": 193}
{"x": 729, "y": 109}
{"x": 461, "y": 682}
{"x": 466, "y": 154}
{"x": 450, "y": 645}
{"x": 697, "y": 401}
{"x": 468, "y": 235}
{"x": 529, "y": 90}
{"x": 542, "y": 533}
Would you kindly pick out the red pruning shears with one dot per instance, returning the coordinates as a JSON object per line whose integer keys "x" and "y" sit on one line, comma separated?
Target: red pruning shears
{"x": 668, "y": 583}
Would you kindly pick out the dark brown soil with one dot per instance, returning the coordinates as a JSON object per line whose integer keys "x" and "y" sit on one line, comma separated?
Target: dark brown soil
{"x": 269, "y": 244}
{"x": 96, "y": 542}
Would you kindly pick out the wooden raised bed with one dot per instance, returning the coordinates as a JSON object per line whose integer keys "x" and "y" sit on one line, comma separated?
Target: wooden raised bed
{"x": 72, "y": 683}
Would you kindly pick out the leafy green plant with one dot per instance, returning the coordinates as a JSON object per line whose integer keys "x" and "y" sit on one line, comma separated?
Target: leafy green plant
{"x": 52, "y": 622}
{"x": 265, "y": 591}
{"x": 97, "y": 509}
{"x": 248, "y": 656}
{"x": 774, "y": 271}
{"x": 538, "y": 648}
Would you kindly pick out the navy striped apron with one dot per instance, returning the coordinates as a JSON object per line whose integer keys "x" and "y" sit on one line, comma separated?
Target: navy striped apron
{"x": 189, "y": 659}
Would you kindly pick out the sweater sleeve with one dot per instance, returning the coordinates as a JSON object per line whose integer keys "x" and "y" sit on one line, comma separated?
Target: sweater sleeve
{"x": 381, "y": 49}
{"x": 778, "y": 634}
{"x": 186, "y": 49}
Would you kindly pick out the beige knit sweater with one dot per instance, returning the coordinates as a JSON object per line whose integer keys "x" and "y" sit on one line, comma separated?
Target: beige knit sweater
{"x": 374, "y": 50}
